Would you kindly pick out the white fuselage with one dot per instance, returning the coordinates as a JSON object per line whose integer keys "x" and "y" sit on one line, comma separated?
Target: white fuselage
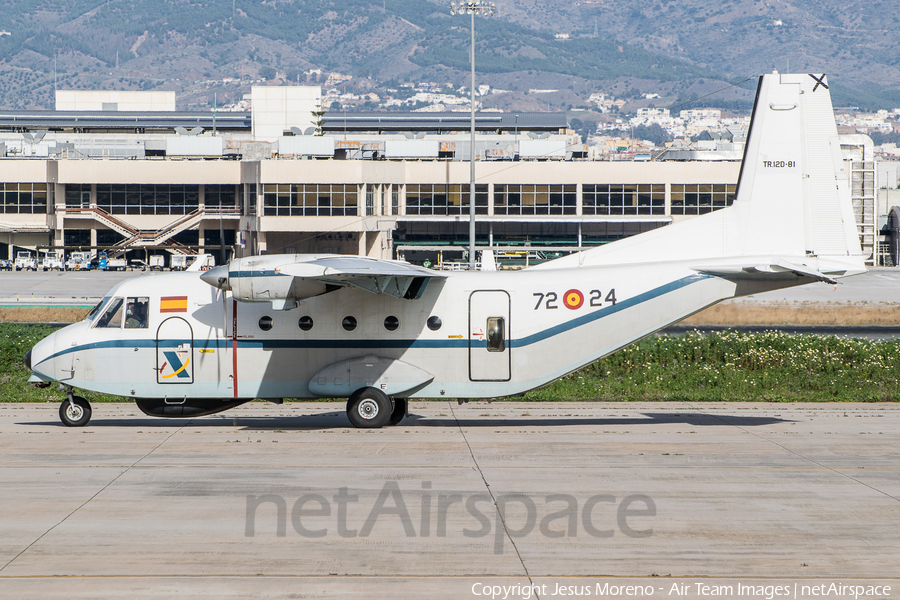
{"x": 554, "y": 321}
{"x": 261, "y": 327}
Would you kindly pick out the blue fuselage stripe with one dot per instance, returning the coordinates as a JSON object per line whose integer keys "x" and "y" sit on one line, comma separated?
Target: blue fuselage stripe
{"x": 270, "y": 344}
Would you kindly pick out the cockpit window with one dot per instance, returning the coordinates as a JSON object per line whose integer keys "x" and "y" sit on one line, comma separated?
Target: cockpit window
{"x": 96, "y": 310}
{"x": 136, "y": 313}
{"x": 113, "y": 315}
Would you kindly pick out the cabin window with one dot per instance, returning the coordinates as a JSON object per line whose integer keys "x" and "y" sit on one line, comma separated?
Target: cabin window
{"x": 305, "y": 323}
{"x": 265, "y": 323}
{"x": 496, "y": 334}
{"x": 349, "y": 323}
{"x": 434, "y": 323}
{"x": 113, "y": 315}
{"x": 136, "y": 311}
{"x": 391, "y": 323}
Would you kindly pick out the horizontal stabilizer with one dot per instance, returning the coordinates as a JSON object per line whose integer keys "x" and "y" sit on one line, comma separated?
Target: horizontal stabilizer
{"x": 762, "y": 271}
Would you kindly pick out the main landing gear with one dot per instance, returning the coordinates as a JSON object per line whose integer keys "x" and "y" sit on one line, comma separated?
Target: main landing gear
{"x": 75, "y": 411}
{"x": 367, "y": 408}
{"x": 370, "y": 408}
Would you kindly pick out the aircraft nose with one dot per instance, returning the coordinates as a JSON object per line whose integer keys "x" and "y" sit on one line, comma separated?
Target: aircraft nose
{"x": 28, "y": 360}
{"x": 217, "y": 277}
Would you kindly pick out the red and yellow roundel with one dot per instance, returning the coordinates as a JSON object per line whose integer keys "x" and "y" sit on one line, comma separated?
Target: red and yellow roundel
{"x": 573, "y": 299}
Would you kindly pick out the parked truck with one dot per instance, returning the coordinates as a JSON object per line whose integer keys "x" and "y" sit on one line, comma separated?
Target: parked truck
{"x": 107, "y": 263}
{"x": 79, "y": 261}
{"x": 25, "y": 261}
{"x": 53, "y": 260}
{"x": 180, "y": 262}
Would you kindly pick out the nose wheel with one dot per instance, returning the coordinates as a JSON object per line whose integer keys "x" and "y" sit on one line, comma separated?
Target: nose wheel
{"x": 75, "y": 412}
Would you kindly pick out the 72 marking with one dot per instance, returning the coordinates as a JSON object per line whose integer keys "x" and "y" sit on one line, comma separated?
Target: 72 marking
{"x": 548, "y": 300}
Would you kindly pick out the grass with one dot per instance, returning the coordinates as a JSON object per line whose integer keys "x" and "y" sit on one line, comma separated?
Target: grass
{"x": 15, "y": 341}
{"x": 743, "y": 367}
{"x": 728, "y": 366}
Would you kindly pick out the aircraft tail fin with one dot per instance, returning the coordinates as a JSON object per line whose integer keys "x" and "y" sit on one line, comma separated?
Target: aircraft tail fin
{"x": 793, "y": 195}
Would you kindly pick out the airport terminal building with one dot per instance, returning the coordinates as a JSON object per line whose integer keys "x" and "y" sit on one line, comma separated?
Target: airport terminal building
{"x": 125, "y": 172}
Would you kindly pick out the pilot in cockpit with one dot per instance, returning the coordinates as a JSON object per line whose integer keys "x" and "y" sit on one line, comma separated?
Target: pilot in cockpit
{"x": 137, "y": 315}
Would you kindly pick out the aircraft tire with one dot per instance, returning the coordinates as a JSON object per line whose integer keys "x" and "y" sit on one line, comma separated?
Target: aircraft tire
{"x": 77, "y": 416}
{"x": 369, "y": 408}
{"x": 399, "y": 411}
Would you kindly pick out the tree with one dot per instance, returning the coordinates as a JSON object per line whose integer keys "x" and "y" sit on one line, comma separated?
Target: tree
{"x": 583, "y": 128}
{"x": 319, "y": 121}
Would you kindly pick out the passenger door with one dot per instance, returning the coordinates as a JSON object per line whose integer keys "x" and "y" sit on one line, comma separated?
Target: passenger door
{"x": 489, "y": 327}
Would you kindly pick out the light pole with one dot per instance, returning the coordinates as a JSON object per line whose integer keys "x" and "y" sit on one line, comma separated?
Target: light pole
{"x": 485, "y": 9}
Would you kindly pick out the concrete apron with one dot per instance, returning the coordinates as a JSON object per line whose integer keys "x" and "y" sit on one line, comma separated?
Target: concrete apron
{"x": 290, "y": 501}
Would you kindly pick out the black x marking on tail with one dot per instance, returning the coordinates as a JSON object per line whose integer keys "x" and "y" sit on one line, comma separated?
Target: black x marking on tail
{"x": 820, "y": 80}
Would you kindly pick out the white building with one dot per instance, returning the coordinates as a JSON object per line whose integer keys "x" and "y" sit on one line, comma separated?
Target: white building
{"x": 378, "y": 184}
{"x": 114, "y": 100}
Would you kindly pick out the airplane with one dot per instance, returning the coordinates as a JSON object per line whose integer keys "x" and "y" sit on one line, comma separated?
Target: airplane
{"x": 382, "y": 332}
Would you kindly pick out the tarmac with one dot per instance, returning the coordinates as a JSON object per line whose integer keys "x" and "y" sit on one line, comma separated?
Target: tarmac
{"x": 675, "y": 500}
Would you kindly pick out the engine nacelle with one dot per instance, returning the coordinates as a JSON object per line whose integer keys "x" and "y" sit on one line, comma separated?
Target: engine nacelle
{"x": 260, "y": 279}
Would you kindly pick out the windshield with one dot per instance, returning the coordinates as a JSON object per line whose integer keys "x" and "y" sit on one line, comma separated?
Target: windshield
{"x": 96, "y": 309}
{"x": 112, "y": 317}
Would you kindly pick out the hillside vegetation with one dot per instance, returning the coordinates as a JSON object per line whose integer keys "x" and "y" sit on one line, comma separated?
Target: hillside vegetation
{"x": 667, "y": 46}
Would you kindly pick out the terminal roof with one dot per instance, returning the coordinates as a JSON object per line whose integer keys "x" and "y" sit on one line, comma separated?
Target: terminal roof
{"x": 335, "y": 121}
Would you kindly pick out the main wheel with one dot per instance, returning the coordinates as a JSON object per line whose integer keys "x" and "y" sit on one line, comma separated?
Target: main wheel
{"x": 399, "y": 411}
{"x": 75, "y": 416}
{"x": 369, "y": 408}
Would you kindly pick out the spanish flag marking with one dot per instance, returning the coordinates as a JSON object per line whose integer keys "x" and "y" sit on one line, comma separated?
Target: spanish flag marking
{"x": 173, "y": 304}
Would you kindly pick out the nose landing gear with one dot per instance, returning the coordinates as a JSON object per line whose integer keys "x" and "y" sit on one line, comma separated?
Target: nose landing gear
{"x": 74, "y": 411}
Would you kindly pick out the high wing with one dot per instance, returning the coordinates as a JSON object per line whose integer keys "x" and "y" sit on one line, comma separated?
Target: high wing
{"x": 288, "y": 278}
{"x": 377, "y": 276}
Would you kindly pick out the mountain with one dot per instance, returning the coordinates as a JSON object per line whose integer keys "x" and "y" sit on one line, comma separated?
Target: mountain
{"x": 680, "y": 50}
